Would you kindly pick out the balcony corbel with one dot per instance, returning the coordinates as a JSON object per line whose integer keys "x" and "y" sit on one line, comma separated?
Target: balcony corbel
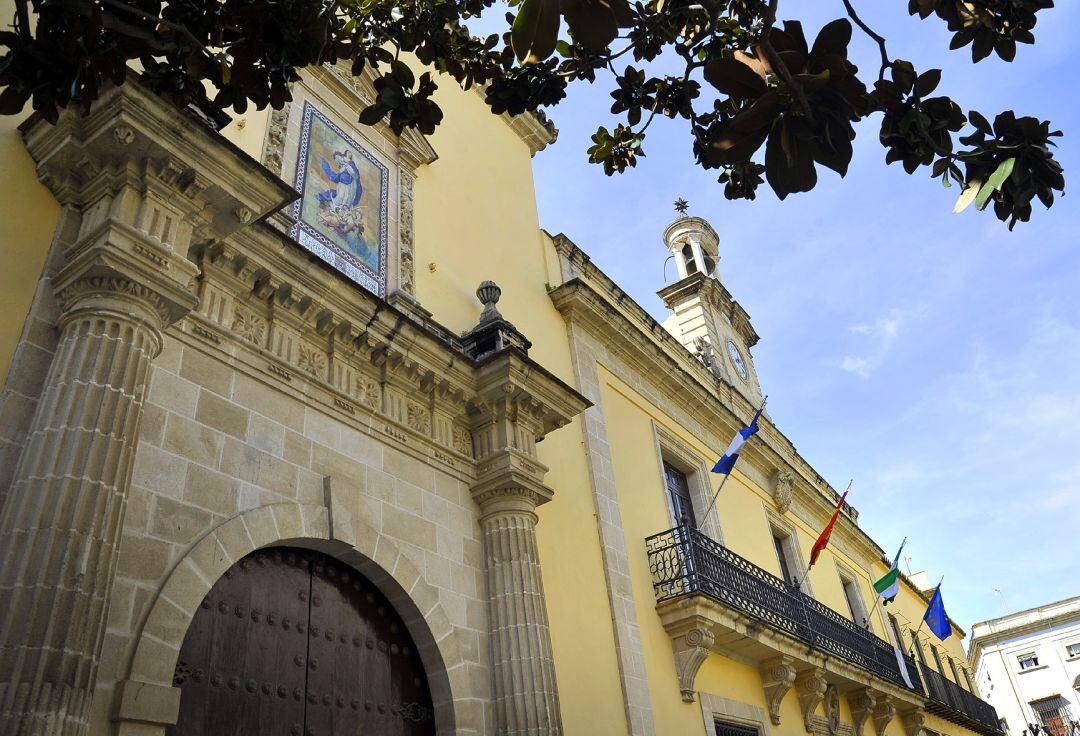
{"x": 778, "y": 675}
{"x": 691, "y": 649}
{"x": 861, "y": 701}
{"x": 914, "y": 721}
{"x": 884, "y": 711}
{"x": 810, "y": 685}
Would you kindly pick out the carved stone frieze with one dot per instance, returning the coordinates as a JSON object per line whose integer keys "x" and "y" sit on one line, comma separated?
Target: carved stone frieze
{"x": 832, "y": 710}
{"x": 406, "y": 265}
{"x": 810, "y": 686}
{"x": 777, "y": 676}
{"x": 311, "y": 360}
{"x": 418, "y": 418}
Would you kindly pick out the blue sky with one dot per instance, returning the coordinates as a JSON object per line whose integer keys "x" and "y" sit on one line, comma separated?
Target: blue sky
{"x": 933, "y": 357}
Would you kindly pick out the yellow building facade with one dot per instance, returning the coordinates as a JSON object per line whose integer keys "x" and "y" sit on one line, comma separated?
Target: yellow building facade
{"x": 299, "y": 390}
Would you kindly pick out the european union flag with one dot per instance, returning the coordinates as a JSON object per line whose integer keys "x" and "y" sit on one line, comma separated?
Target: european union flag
{"x": 936, "y": 618}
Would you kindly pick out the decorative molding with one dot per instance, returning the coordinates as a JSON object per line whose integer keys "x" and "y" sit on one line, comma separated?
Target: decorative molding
{"x": 832, "y": 710}
{"x": 777, "y": 676}
{"x": 276, "y": 131}
{"x": 406, "y": 257}
{"x": 861, "y": 703}
{"x": 248, "y": 325}
{"x": 782, "y": 482}
{"x": 914, "y": 722}
{"x": 691, "y": 651}
{"x": 884, "y": 711}
{"x": 810, "y": 686}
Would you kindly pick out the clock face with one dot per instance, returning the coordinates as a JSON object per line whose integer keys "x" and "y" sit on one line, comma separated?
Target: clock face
{"x": 737, "y": 359}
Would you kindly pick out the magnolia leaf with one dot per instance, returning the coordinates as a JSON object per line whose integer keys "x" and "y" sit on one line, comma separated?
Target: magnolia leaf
{"x": 967, "y": 197}
{"x": 1001, "y": 173}
{"x": 735, "y": 78}
{"x": 536, "y": 30}
{"x": 592, "y": 22}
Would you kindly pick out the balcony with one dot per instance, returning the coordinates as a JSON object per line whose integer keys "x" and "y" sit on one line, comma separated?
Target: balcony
{"x": 692, "y": 573}
{"x": 950, "y": 701}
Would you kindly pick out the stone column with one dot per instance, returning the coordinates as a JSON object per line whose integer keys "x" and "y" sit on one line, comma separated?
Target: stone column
{"x": 142, "y": 182}
{"x": 515, "y": 405}
{"x": 60, "y": 529}
{"x": 526, "y": 698}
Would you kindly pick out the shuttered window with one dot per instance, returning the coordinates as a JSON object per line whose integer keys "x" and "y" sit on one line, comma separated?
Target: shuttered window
{"x": 726, "y": 728}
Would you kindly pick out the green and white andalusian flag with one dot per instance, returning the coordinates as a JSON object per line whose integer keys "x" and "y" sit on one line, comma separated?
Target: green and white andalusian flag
{"x": 889, "y": 585}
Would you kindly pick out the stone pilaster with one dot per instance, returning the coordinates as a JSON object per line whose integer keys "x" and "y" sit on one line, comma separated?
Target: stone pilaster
{"x": 515, "y": 405}
{"x": 132, "y": 173}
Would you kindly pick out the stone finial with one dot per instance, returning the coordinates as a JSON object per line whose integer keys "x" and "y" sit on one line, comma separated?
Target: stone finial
{"x": 488, "y": 293}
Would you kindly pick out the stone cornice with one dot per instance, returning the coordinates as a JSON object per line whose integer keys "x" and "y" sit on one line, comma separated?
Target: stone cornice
{"x": 718, "y": 295}
{"x": 1030, "y": 621}
{"x": 534, "y": 128}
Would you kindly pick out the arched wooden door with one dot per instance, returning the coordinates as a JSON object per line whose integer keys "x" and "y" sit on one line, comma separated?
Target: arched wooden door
{"x": 294, "y": 643}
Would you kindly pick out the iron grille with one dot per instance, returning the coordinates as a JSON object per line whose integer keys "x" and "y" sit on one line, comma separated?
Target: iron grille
{"x": 726, "y": 728}
{"x": 684, "y": 561}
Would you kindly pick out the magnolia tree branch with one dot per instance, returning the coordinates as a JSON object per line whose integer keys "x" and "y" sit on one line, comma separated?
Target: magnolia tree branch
{"x": 878, "y": 38}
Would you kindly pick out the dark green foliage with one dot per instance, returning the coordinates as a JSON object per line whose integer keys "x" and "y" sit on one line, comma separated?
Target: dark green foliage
{"x": 761, "y": 103}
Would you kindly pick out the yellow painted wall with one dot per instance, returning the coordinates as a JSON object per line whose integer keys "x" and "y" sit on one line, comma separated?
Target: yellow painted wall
{"x": 741, "y": 507}
{"x": 29, "y": 214}
{"x": 476, "y": 219}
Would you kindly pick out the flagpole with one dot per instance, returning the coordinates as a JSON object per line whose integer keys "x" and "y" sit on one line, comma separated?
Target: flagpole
{"x": 806, "y": 573}
{"x": 923, "y": 621}
{"x": 726, "y": 476}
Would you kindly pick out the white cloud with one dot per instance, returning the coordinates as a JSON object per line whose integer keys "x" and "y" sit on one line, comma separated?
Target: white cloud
{"x": 881, "y": 335}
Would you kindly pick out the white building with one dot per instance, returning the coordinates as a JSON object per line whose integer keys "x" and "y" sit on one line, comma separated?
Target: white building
{"x": 1027, "y": 665}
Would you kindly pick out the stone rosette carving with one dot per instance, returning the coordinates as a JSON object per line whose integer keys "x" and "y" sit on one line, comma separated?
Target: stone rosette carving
{"x": 462, "y": 440}
{"x": 418, "y": 418}
{"x": 368, "y": 393}
{"x": 248, "y": 325}
{"x": 311, "y": 361}
{"x": 777, "y": 675}
{"x": 783, "y": 482}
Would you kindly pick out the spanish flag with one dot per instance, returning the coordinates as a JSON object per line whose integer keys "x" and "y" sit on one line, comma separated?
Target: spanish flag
{"x": 823, "y": 540}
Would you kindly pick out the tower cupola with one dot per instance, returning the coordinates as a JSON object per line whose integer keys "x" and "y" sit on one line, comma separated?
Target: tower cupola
{"x": 706, "y": 319}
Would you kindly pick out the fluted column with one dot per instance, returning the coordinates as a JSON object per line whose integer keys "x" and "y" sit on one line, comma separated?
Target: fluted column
{"x": 60, "y": 529}
{"x": 141, "y": 183}
{"x": 526, "y": 698}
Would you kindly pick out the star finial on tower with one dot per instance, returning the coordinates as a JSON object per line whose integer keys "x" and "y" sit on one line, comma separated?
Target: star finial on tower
{"x": 681, "y": 205}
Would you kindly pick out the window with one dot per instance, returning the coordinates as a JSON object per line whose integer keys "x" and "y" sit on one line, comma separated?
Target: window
{"x": 956, "y": 673}
{"x": 688, "y": 259}
{"x": 1028, "y": 661}
{"x": 682, "y": 505}
{"x": 896, "y": 631}
{"x": 1073, "y": 650}
{"x": 854, "y": 600}
{"x": 937, "y": 659}
{"x": 780, "y": 543}
{"x": 1053, "y": 714}
{"x": 727, "y": 728}
{"x": 918, "y": 648}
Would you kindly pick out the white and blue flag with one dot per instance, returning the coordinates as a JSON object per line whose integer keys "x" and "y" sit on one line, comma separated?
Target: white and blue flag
{"x": 725, "y": 464}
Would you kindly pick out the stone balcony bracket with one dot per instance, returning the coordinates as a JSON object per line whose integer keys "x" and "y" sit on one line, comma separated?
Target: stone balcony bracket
{"x": 784, "y": 663}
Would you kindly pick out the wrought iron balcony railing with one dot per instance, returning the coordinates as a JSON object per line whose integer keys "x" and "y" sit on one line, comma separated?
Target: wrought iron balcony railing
{"x": 947, "y": 693}
{"x": 684, "y": 562}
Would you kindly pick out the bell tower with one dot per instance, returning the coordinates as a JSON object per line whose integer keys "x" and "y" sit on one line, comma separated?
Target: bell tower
{"x": 706, "y": 319}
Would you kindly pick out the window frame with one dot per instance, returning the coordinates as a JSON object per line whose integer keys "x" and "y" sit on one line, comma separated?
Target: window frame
{"x": 789, "y": 543}
{"x": 673, "y": 451}
{"x": 848, "y": 577}
{"x": 1030, "y": 655}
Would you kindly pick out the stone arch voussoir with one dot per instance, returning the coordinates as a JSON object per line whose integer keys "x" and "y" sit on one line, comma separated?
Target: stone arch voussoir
{"x": 373, "y": 554}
